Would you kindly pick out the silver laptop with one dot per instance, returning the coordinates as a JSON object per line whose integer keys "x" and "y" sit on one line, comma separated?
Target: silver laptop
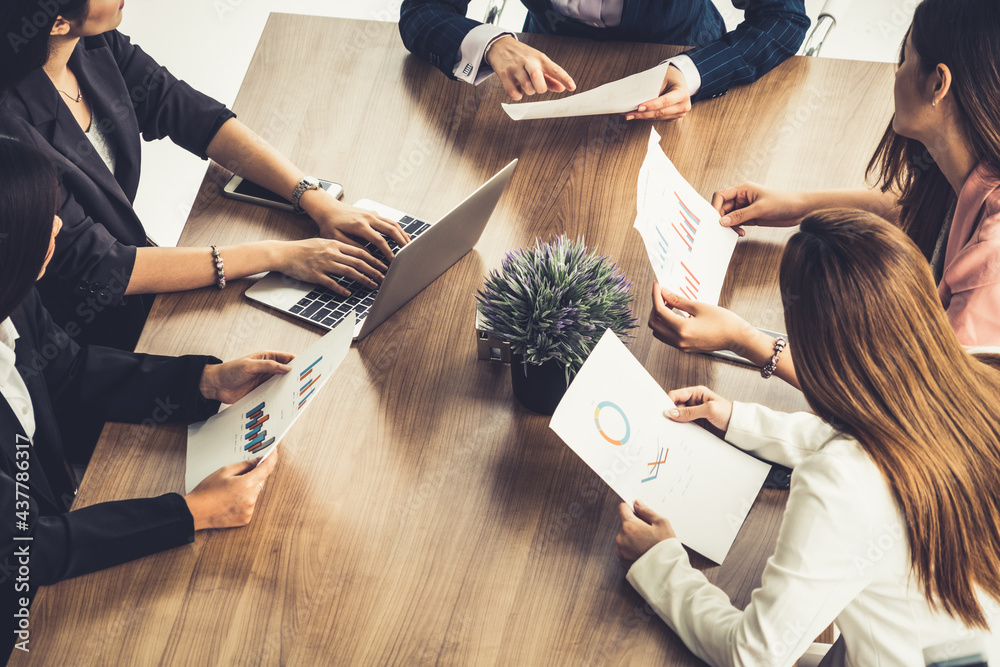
{"x": 433, "y": 248}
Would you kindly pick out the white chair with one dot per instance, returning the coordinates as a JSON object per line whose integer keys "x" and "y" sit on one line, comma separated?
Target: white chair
{"x": 826, "y": 22}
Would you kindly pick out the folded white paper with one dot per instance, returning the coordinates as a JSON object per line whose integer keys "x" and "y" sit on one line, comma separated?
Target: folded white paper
{"x": 615, "y": 97}
{"x": 612, "y": 417}
{"x": 688, "y": 248}
{"x": 253, "y": 425}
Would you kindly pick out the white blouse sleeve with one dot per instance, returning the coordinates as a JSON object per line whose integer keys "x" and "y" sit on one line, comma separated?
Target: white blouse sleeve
{"x": 780, "y": 437}
{"x": 812, "y": 576}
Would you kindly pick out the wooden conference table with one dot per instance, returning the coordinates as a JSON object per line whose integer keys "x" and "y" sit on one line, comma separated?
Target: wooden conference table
{"x": 419, "y": 514}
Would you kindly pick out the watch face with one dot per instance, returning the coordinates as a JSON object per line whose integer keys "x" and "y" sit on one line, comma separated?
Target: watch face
{"x": 311, "y": 181}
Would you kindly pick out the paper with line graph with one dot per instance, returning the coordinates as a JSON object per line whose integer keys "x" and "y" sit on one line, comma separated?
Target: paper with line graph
{"x": 253, "y": 425}
{"x": 688, "y": 248}
{"x": 612, "y": 417}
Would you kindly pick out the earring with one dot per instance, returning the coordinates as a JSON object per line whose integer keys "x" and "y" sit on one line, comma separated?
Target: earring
{"x": 933, "y": 103}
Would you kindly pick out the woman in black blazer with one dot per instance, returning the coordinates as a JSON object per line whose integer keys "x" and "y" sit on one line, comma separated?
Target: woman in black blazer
{"x": 86, "y": 107}
{"x": 42, "y": 372}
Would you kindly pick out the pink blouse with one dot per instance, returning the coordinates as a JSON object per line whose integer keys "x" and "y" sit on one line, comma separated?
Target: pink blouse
{"x": 970, "y": 284}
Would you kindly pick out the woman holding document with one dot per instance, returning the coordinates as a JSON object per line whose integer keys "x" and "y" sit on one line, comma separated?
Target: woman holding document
{"x": 939, "y": 178}
{"x": 86, "y": 105}
{"x": 892, "y": 527}
{"x": 43, "y": 372}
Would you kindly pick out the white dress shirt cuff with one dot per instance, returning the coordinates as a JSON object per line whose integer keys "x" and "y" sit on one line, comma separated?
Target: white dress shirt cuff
{"x": 471, "y": 65}
{"x": 688, "y": 69}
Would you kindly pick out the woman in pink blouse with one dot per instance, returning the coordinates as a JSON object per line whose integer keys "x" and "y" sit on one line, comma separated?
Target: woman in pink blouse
{"x": 938, "y": 168}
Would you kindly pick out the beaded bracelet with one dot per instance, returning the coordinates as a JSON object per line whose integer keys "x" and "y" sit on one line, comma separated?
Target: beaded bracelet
{"x": 772, "y": 366}
{"x": 220, "y": 268}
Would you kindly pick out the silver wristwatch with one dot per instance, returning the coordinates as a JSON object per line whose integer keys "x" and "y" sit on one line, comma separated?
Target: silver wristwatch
{"x": 306, "y": 184}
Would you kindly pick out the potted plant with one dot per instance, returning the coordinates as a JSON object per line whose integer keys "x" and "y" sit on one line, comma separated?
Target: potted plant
{"x": 552, "y": 303}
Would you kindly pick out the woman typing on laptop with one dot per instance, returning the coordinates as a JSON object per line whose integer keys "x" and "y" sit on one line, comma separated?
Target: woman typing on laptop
{"x": 85, "y": 106}
{"x": 891, "y": 527}
{"x": 939, "y": 174}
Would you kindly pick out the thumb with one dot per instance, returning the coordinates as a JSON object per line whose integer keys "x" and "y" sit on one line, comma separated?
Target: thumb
{"x": 268, "y": 366}
{"x": 645, "y": 513}
{"x": 689, "y": 413}
{"x": 742, "y": 216}
{"x": 673, "y": 300}
{"x": 262, "y": 469}
{"x": 237, "y": 469}
{"x": 280, "y": 357}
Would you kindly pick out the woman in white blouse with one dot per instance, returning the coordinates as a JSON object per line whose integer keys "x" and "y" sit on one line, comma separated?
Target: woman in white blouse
{"x": 892, "y": 527}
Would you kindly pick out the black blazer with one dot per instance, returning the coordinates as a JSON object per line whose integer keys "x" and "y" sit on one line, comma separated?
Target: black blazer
{"x": 130, "y": 94}
{"x": 116, "y": 386}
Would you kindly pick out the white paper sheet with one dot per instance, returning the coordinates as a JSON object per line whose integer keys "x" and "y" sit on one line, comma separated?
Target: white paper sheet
{"x": 253, "y": 425}
{"x": 615, "y": 97}
{"x": 612, "y": 417}
{"x": 688, "y": 248}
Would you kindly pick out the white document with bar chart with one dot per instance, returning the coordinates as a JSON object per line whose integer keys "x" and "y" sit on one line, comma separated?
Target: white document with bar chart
{"x": 612, "y": 417}
{"x": 253, "y": 425}
{"x": 687, "y": 246}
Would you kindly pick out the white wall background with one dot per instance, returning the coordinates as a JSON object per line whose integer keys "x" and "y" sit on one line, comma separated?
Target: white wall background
{"x": 209, "y": 43}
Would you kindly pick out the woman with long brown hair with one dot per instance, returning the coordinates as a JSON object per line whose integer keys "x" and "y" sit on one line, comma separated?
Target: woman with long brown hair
{"x": 938, "y": 171}
{"x": 892, "y": 527}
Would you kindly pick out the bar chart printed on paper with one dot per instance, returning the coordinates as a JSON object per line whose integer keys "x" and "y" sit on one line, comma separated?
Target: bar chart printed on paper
{"x": 688, "y": 248}
{"x": 253, "y": 425}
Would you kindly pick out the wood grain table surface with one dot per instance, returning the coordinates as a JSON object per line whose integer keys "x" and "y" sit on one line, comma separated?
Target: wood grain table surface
{"x": 419, "y": 514}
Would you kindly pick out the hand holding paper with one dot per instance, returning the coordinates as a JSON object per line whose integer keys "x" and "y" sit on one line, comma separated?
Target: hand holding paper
{"x": 612, "y": 416}
{"x": 252, "y": 426}
{"x": 673, "y": 102}
{"x": 615, "y": 97}
{"x": 688, "y": 248}
{"x": 231, "y": 381}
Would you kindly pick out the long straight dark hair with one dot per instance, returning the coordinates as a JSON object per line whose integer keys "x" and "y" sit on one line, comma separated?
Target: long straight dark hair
{"x": 878, "y": 360}
{"x": 28, "y": 191}
{"x": 961, "y": 34}
{"x": 24, "y": 34}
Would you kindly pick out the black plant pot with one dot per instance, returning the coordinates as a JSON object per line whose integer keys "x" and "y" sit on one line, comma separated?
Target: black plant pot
{"x": 538, "y": 388}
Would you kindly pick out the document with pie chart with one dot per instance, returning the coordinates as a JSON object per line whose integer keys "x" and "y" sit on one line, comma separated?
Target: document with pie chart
{"x": 612, "y": 417}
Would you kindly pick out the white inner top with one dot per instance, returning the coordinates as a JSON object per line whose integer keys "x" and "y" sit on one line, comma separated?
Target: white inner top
{"x": 100, "y": 142}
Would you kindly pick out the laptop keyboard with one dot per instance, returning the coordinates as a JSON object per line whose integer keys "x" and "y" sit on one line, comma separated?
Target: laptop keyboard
{"x": 328, "y": 309}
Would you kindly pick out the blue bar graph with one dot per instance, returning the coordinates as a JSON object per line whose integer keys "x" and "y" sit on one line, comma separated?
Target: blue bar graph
{"x": 259, "y": 438}
{"x": 254, "y": 429}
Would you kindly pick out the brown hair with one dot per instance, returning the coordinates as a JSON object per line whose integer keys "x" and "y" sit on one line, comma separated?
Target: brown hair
{"x": 962, "y": 35}
{"x": 877, "y": 358}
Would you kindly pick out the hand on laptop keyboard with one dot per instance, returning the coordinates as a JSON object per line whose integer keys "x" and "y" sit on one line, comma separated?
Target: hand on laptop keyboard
{"x": 412, "y": 226}
{"x": 316, "y": 260}
{"x": 350, "y": 224}
{"x": 328, "y": 308}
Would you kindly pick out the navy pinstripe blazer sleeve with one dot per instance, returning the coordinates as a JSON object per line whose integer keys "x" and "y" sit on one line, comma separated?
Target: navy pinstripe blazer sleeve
{"x": 434, "y": 30}
{"x": 771, "y": 32}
